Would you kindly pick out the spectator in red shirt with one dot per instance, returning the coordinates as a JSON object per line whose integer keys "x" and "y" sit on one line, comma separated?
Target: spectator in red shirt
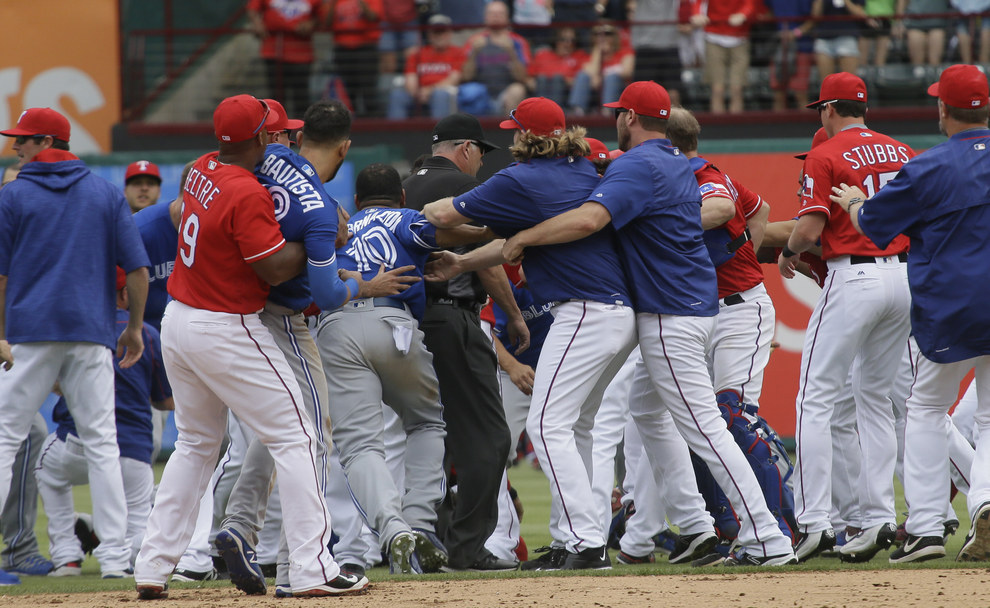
{"x": 400, "y": 35}
{"x": 553, "y": 70}
{"x": 356, "y": 26}
{"x": 727, "y": 24}
{"x": 432, "y": 74}
{"x": 286, "y": 31}
{"x": 608, "y": 71}
{"x": 497, "y": 60}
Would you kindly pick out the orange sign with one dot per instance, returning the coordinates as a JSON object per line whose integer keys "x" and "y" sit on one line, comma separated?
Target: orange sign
{"x": 63, "y": 55}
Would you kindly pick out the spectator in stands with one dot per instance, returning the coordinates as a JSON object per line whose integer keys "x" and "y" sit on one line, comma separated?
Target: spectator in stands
{"x": 691, "y": 39}
{"x": 876, "y": 31}
{"x": 497, "y": 59}
{"x": 142, "y": 185}
{"x": 432, "y": 74}
{"x": 462, "y": 13}
{"x": 969, "y": 25}
{"x": 535, "y": 17}
{"x": 580, "y": 14}
{"x": 286, "y": 31}
{"x": 608, "y": 71}
{"x": 790, "y": 66}
{"x": 837, "y": 41}
{"x": 925, "y": 35}
{"x": 553, "y": 69}
{"x": 657, "y": 56}
{"x": 356, "y": 26}
{"x": 400, "y": 33}
{"x": 727, "y": 24}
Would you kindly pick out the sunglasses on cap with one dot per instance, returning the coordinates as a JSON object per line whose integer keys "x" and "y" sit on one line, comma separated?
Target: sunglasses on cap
{"x": 512, "y": 115}
{"x": 264, "y": 117}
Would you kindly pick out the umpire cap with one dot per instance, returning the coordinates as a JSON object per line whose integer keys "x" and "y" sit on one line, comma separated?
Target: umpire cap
{"x": 461, "y": 126}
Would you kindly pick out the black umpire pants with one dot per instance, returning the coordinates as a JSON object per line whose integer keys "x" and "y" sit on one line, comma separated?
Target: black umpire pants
{"x": 477, "y": 436}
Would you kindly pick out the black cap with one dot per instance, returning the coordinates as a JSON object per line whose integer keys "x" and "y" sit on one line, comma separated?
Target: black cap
{"x": 461, "y": 126}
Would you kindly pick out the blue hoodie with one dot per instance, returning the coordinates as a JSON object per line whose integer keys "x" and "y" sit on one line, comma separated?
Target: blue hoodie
{"x": 63, "y": 231}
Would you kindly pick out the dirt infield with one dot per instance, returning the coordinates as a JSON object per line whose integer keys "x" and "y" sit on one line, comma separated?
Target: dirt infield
{"x": 873, "y": 589}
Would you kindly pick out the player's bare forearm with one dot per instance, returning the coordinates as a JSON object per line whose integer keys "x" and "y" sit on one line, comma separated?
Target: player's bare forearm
{"x": 137, "y": 296}
{"x": 520, "y": 374}
{"x": 777, "y": 233}
{"x": 442, "y": 213}
{"x": 757, "y": 225}
{"x": 716, "y": 211}
{"x": 851, "y": 199}
{"x": 497, "y": 285}
{"x": 463, "y": 235}
{"x": 575, "y": 224}
{"x": 284, "y": 264}
{"x": 130, "y": 345}
{"x": 445, "y": 265}
{"x": 804, "y": 236}
{"x": 165, "y": 405}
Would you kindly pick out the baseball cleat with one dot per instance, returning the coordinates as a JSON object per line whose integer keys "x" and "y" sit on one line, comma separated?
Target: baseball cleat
{"x": 342, "y": 585}
{"x": 869, "y": 542}
{"x": 976, "y": 547}
{"x": 6, "y": 578}
{"x": 632, "y": 560}
{"x": 33, "y": 565}
{"x": 712, "y": 559}
{"x": 152, "y": 591}
{"x": 191, "y": 576}
{"x": 552, "y": 559}
{"x": 814, "y": 543}
{"x": 918, "y": 549}
{"x": 242, "y": 562}
{"x": 592, "y": 558}
{"x": 430, "y": 551}
{"x": 401, "y": 554}
{"x": 741, "y": 558}
{"x": 67, "y": 569}
{"x": 283, "y": 591}
{"x": 692, "y": 547}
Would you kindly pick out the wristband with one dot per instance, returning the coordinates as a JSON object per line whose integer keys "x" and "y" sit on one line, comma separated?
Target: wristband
{"x": 787, "y": 253}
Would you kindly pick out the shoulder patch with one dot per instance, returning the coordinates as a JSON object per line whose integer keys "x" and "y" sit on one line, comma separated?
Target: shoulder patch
{"x": 308, "y": 170}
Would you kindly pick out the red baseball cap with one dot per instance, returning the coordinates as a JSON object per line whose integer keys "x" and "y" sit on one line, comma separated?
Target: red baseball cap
{"x": 282, "y": 121}
{"x": 241, "y": 117}
{"x": 40, "y": 121}
{"x": 142, "y": 167}
{"x": 599, "y": 151}
{"x": 121, "y": 278}
{"x": 961, "y": 86}
{"x": 538, "y": 115}
{"x": 614, "y": 154}
{"x": 820, "y": 137}
{"x": 644, "y": 97}
{"x": 841, "y": 86}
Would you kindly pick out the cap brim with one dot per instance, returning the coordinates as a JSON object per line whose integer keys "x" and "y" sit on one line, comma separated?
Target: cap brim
{"x": 487, "y": 145}
{"x": 16, "y": 132}
{"x": 292, "y": 124}
{"x": 613, "y": 104}
{"x": 801, "y": 156}
{"x": 933, "y": 90}
{"x": 815, "y": 104}
{"x": 509, "y": 124}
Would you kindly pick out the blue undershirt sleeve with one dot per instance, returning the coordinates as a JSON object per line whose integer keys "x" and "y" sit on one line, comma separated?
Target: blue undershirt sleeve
{"x": 329, "y": 291}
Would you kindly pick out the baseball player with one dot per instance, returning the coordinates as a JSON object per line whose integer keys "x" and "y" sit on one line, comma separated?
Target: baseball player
{"x": 58, "y": 222}
{"x": 142, "y": 185}
{"x": 862, "y": 312}
{"x": 650, "y": 197}
{"x": 373, "y": 352}
{"x": 937, "y": 200}
{"x": 63, "y": 464}
{"x": 592, "y": 332}
{"x": 21, "y": 555}
{"x": 305, "y": 214}
{"x": 219, "y": 355}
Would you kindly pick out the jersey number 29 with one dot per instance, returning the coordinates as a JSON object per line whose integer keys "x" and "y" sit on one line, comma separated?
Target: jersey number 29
{"x": 190, "y": 231}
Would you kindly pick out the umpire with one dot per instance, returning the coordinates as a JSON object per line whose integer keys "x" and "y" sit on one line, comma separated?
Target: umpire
{"x": 478, "y": 439}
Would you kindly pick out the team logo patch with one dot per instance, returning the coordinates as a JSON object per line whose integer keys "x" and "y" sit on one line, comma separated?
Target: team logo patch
{"x": 865, "y": 134}
{"x": 663, "y": 112}
{"x": 808, "y": 191}
{"x": 860, "y": 95}
{"x": 599, "y": 195}
{"x": 975, "y": 103}
{"x": 211, "y": 165}
{"x": 422, "y": 172}
{"x": 706, "y": 188}
{"x": 980, "y": 147}
{"x": 462, "y": 204}
{"x": 308, "y": 170}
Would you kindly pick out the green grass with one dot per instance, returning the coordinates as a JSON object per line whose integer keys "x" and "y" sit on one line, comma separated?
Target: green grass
{"x": 534, "y": 492}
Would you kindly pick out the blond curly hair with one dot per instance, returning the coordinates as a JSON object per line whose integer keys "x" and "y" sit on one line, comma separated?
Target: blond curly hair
{"x": 570, "y": 143}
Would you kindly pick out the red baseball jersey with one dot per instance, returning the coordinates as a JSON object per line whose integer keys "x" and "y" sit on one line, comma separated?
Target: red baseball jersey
{"x": 432, "y": 65}
{"x": 228, "y": 222}
{"x": 549, "y": 63}
{"x": 857, "y": 157}
{"x": 742, "y": 271}
{"x": 350, "y": 28}
{"x": 281, "y": 20}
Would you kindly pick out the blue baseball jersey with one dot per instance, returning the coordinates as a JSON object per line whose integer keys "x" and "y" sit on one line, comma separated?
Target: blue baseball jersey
{"x": 134, "y": 390}
{"x": 538, "y": 320}
{"x": 525, "y": 194}
{"x": 161, "y": 242}
{"x": 394, "y": 237}
{"x": 940, "y": 199}
{"x": 306, "y": 213}
{"x": 653, "y": 197}
{"x": 63, "y": 232}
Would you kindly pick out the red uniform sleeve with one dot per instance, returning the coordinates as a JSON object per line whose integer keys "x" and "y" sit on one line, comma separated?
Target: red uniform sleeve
{"x": 748, "y": 201}
{"x": 255, "y": 230}
{"x": 815, "y": 186}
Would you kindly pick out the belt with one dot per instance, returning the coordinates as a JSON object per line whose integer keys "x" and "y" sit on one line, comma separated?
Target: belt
{"x": 868, "y": 259}
{"x": 457, "y": 303}
{"x": 733, "y": 299}
{"x": 367, "y": 304}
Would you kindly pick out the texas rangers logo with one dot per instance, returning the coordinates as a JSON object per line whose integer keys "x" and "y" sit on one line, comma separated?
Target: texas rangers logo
{"x": 142, "y": 165}
{"x": 808, "y": 190}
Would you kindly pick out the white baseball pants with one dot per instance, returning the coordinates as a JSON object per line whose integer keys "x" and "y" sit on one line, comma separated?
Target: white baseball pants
{"x": 739, "y": 349}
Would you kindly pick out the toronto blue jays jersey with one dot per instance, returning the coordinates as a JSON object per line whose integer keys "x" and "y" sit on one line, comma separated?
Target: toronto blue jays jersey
{"x": 538, "y": 320}
{"x": 394, "y": 237}
{"x": 134, "y": 390}
{"x": 306, "y": 213}
{"x": 940, "y": 199}
{"x": 161, "y": 241}
{"x": 653, "y": 197}
{"x": 525, "y": 194}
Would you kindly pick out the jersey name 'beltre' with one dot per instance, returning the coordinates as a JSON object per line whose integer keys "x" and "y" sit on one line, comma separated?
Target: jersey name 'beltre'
{"x": 290, "y": 178}
{"x": 876, "y": 154}
{"x": 201, "y": 188}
